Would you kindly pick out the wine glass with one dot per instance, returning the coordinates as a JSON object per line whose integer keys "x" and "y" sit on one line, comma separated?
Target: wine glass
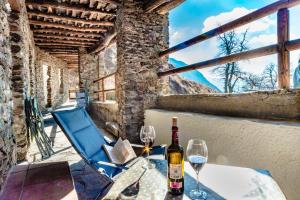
{"x": 147, "y": 136}
{"x": 197, "y": 155}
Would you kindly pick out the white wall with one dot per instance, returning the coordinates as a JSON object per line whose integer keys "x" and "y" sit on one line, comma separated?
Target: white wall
{"x": 241, "y": 142}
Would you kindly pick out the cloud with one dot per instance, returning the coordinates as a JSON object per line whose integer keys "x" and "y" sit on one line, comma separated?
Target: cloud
{"x": 175, "y": 36}
{"x": 259, "y": 25}
{"x": 260, "y": 33}
{"x": 178, "y": 35}
{"x": 262, "y": 40}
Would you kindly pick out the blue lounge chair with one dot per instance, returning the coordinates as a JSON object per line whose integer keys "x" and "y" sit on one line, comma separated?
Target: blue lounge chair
{"x": 87, "y": 140}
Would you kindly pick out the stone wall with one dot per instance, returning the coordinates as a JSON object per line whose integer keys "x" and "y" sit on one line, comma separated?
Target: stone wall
{"x": 73, "y": 78}
{"x": 280, "y": 104}
{"x": 21, "y": 47}
{"x": 89, "y": 71}
{"x": 104, "y": 111}
{"x": 108, "y": 60}
{"x": 140, "y": 37}
{"x": 7, "y": 139}
{"x": 55, "y": 97}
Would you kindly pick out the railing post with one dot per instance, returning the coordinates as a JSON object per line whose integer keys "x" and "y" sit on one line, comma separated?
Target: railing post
{"x": 103, "y": 94}
{"x": 100, "y": 88}
{"x": 283, "y": 36}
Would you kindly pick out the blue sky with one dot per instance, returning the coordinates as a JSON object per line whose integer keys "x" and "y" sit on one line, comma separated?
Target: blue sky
{"x": 194, "y": 17}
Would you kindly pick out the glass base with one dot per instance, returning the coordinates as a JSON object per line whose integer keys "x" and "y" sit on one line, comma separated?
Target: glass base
{"x": 149, "y": 165}
{"x": 198, "y": 195}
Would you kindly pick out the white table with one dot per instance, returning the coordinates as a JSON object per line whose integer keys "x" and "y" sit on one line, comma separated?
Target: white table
{"x": 235, "y": 183}
{"x": 219, "y": 181}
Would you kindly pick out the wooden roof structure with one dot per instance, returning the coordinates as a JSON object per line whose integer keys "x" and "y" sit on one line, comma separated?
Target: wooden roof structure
{"x": 61, "y": 27}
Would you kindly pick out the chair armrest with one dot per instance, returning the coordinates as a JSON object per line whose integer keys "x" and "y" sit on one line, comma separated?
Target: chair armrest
{"x": 109, "y": 141}
{"x": 112, "y": 165}
{"x": 137, "y": 145}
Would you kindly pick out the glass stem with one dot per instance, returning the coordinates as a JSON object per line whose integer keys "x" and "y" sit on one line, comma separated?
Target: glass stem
{"x": 198, "y": 182}
{"x": 148, "y": 155}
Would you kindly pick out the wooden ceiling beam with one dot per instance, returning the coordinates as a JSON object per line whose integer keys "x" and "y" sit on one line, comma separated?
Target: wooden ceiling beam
{"x": 63, "y": 26}
{"x": 66, "y": 55}
{"x": 66, "y": 58}
{"x": 59, "y": 48}
{"x": 70, "y": 53}
{"x": 161, "y": 6}
{"x": 151, "y": 5}
{"x": 115, "y": 2}
{"x": 63, "y": 52}
{"x": 72, "y": 66}
{"x": 105, "y": 43}
{"x": 73, "y": 19}
{"x": 59, "y": 44}
{"x": 164, "y": 9}
{"x": 15, "y": 5}
{"x": 53, "y": 36}
{"x": 65, "y": 32}
{"x": 63, "y": 41}
{"x": 67, "y": 6}
{"x": 51, "y": 50}
{"x": 70, "y": 61}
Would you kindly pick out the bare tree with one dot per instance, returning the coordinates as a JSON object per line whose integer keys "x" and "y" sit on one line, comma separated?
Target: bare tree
{"x": 230, "y": 43}
{"x": 266, "y": 81}
{"x": 252, "y": 82}
{"x": 270, "y": 77}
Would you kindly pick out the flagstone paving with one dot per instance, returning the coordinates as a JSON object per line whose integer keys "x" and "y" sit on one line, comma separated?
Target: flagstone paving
{"x": 87, "y": 181}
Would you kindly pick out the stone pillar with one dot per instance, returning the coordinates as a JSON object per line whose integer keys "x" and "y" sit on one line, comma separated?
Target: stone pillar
{"x": 89, "y": 71}
{"x": 20, "y": 82}
{"x": 72, "y": 78}
{"x": 140, "y": 37}
{"x": 7, "y": 139}
{"x": 32, "y": 58}
{"x": 57, "y": 72}
{"x": 49, "y": 88}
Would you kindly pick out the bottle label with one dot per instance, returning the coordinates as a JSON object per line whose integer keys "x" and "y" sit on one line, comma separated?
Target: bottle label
{"x": 175, "y": 185}
{"x": 175, "y": 171}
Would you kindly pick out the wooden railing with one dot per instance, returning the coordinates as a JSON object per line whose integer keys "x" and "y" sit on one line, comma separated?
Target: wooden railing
{"x": 282, "y": 48}
{"x": 103, "y": 88}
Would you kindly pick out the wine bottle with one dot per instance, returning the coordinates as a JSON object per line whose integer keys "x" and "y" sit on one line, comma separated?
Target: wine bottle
{"x": 175, "y": 163}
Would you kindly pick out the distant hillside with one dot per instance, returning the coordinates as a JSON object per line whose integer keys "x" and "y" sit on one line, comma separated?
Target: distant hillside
{"x": 195, "y": 75}
{"x": 180, "y": 85}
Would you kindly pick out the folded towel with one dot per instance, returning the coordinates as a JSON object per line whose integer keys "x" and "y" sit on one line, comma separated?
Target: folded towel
{"x": 153, "y": 184}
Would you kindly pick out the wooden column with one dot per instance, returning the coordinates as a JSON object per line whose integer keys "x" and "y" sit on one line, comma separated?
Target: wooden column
{"x": 283, "y": 35}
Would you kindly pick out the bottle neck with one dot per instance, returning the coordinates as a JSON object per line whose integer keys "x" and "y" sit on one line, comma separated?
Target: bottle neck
{"x": 175, "y": 135}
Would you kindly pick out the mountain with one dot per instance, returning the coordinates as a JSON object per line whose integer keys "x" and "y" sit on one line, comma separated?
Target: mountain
{"x": 194, "y": 75}
{"x": 179, "y": 85}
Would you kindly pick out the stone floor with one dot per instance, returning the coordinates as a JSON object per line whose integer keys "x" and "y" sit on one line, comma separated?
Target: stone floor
{"x": 87, "y": 181}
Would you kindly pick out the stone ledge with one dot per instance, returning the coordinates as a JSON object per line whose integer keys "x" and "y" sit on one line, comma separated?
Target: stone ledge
{"x": 104, "y": 111}
{"x": 105, "y": 103}
{"x": 279, "y": 104}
